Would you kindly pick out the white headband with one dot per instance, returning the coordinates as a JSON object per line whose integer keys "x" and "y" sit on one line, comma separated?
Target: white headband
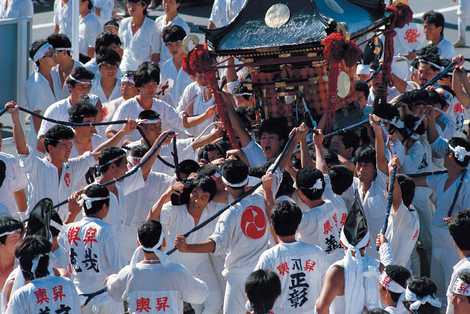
{"x": 397, "y": 122}
{"x": 417, "y": 302}
{"x": 87, "y": 201}
{"x": 148, "y": 121}
{"x": 133, "y": 160}
{"x": 431, "y": 64}
{"x": 155, "y": 249}
{"x": 389, "y": 284}
{"x": 362, "y": 244}
{"x": 63, "y": 49}
{"x": 78, "y": 81}
{"x": 9, "y": 232}
{"x": 461, "y": 288}
{"x": 235, "y": 185}
{"x": 42, "y": 52}
{"x": 459, "y": 152}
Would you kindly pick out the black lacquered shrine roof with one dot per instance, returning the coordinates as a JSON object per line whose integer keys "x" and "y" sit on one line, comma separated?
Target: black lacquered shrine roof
{"x": 306, "y": 25}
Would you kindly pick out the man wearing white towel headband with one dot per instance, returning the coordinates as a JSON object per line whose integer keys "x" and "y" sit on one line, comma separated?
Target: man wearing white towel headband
{"x": 155, "y": 285}
{"x": 44, "y": 292}
{"x": 420, "y": 297}
{"x": 92, "y": 248}
{"x": 392, "y": 285}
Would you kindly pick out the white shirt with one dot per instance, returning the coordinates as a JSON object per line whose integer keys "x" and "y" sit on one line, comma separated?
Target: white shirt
{"x": 140, "y": 46}
{"x": 300, "y": 267}
{"x": 117, "y": 215}
{"x": 88, "y": 29}
{"x": 242, "y": 232}
{"x": 374, "y": 204}
{"x": 15, "y": 180}
{"x": 110, "y": 108}
{"x": 97, "y": 89}
{"x": 45, "y": 181}
{"x": 160, "y": 23}
{"x": 16, "y": 9}
{"x": 59, "y": 111}
{"x": 106, "y": 13}
{"x": 61, "y": 89}
{"x": 131, "y": 109}
{"x": 402, "y": 234}
{"x": 165, "y": 287}
{"x": 462, "y": 266}
{"x": 193, "y": 96}
{"x": 446, "y": 49}
{"x": 96, "y": 140}
{"x": 139, "y": 202}
{"x": 93, "y": 252}
{"x": 180, "y": 79}
{"x": 63, "y": 17}
{"x": 177, "y": 220}
{"x": 39, "y": 94}
{"x": 52, "y": 292}
{"x": 321, "y": 226}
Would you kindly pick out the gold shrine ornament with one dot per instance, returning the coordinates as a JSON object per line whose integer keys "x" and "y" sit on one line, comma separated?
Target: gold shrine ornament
{"x": 277, "y": 15}
{"x": 343, "y": 85}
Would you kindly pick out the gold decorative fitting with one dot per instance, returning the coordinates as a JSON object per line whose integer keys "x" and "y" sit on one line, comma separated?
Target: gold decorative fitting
{"x": 285, "y": 55}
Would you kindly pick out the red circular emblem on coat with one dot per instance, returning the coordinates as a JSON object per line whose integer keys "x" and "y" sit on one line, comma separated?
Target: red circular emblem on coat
{"x": 253, "y": 222}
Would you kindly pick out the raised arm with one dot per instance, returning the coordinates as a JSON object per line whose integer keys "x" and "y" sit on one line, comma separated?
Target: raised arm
{"x": 18, "y": 134}
{"x": 333, "y": 286}
{"x": 155, "y": 212}
{"x": 320, "y": 162}
{"x": 192, "y": 121}
{"x": 237, "y": 125}
{"x": 379, "y": 144}
{"x": 305, "y": 158}
{"x": 397, "y": 197}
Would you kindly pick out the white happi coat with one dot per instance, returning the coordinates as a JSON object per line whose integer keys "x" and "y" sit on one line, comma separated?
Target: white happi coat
{"x": 93, "y": 252}
{"x": 402, "y": 234}
{"x": 45, "y": 181}
{"x": 242, "y": 234}
{"x": 51, "y": 294}
{"x": 321, "y": 226}
{"x": 301, "y": 268}
{"x": 156, "y": 288}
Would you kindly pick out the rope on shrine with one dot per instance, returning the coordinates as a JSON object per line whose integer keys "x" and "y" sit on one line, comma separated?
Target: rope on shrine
{"x": 391, "y": 186}
{"x": 133, "y": 170}
{"x": 241, "y": 197}
{"x": 66, "y": 123}
{"x": 90, "y": 296}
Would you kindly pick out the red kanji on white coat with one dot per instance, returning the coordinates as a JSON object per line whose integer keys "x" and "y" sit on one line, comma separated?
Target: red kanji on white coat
{"x": 283, "y": 268}
{"x": 411, "y": 35}
{"x": 142, "y": 305}
{"x": 41, "y": 296}
{"x": 90, "y": 236}
{"x": 72, "y": 235}
{"x": 58, "y": 293}
{"x": 162, "y": 304}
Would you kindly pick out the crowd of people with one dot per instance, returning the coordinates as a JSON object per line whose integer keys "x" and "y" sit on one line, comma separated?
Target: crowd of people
{"x": 375, "y": 219}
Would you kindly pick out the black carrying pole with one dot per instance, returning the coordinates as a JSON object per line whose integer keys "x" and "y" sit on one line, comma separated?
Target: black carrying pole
{"x": 391, "y": 185}
{"x": 244, "y": 194}
{"x": 128, "y": 173}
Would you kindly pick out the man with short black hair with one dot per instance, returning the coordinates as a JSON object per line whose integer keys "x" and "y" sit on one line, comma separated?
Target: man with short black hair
{"x": 65, "y": 64}
{"x": 43, "y": 292}
{"x": 107, "y": 85}
{"x": 392, "y": 285}
{"x": 146, "y": 80}
{"x": 39, "y": 86}
{"x": 172, "y": 69}
{"x": 434, "y": 24}
{"x": 420, "y": 297}
{"x": 92, "y": 245}
{"x": 458, "y": 228}
{"x": 105, "y": 40}
{"x": 170, "y": 18}
{"x": 154, "y": 283}
{"x": 241, "y": 232}
{"x": 293, "y": 261}
{"x": 79, "y": 86}
{"x": 262, "y": 288}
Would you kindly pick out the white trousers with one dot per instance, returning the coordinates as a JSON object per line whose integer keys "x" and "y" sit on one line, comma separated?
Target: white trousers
{"x": 213, "y": 303}
{"x": 463, "y": 14}
{"x": 444, "y": 257}
{"x": 235, "y": 297}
